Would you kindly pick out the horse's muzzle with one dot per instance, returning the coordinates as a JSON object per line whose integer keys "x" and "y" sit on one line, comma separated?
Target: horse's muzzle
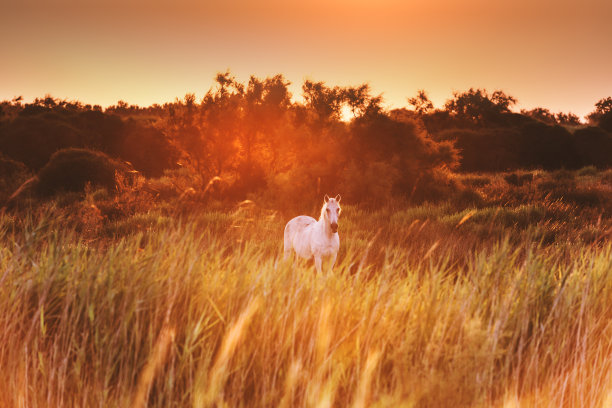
{"x": 334, "y": 227}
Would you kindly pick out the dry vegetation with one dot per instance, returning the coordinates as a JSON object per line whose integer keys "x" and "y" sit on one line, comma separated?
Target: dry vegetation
{"x": 161, "y": 296}
{"x": 140, "y": 252}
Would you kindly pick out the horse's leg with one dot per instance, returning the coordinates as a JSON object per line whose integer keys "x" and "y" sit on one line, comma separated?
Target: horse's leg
{"x": 332, "y": 261}
{"x": 318, "y": 262}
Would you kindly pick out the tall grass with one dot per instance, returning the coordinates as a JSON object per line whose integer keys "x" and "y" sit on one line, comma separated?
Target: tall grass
{"x": 201, "y": 311}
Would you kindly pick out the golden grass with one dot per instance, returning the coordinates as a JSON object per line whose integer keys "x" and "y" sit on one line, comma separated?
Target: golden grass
{"x": 202, "y": 312}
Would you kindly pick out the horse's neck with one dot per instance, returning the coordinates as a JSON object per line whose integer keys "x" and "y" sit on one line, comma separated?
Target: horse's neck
{"x": 324, "y": 226}
{"x": 322, "y": 215}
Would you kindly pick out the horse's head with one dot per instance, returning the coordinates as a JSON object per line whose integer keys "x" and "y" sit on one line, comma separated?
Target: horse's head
{"x": 331, "y": 211}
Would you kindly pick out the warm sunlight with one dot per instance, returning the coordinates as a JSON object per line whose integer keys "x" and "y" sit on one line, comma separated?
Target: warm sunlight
{"x": 288, "y": 204}
{"x": 346, "y": 115}
{"x": 101, "y": 52}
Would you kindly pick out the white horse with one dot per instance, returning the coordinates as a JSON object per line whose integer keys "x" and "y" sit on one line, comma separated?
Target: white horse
{"x": 310, "y": 238}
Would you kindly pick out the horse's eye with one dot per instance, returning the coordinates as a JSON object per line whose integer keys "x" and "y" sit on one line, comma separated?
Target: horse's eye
{"x": 338, "y": 210}
{"x": 328, "y": 210}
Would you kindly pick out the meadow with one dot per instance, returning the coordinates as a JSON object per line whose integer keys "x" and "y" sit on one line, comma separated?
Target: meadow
{"x": 127, "y": 300}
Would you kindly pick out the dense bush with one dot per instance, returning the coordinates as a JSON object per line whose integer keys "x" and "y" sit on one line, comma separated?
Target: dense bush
{"x": 253, "y": 137}
{"x": 72, "y": 169}
{"x": 594, "y": 145}
{"x": 395, "y": 155}
{"x": 10, "y": 168}
{"x": 430, "y": 186}
{"x": 605, "y": 122}
{"x": 548, "y": 147}
{"x": 488, "y": 149}
{"x": 12, "y": 175}
{"x": 491, "y": 138}
{"x": 40, "y": 130}
{"x": 476, "y": 180}
{"x": 530, "y": 144}
{"x": 373, "y": 183}
{"x": 33, "y": 139}
{"x": 517, "y": 179}
{"x": 146, "y": 148}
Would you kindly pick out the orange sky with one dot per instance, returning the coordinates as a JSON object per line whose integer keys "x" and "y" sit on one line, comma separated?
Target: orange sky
{"x": 554, "y": 54}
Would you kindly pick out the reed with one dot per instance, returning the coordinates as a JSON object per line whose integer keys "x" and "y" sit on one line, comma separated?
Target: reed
{"x": 191, "y": 311}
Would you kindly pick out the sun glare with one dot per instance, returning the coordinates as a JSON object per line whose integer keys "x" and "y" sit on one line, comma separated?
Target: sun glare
{"x": 346, "y": 115}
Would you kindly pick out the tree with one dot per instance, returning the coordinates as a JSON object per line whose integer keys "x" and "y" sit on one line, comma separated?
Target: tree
{"x": 265, "y": 106}
{"x": 206, "y": 133}
{"x": 220, "y": 122}
{"x": 541, "y": 114}
{"x": 502, "y": 101}
{"x": 477, "y": 106}
{"x": 594, "y": 146}
{"x": 323, "y": 101}
{"x": 602, "y": 115}
{"x": 422, "y": 104}
{"x": 360, "y": 100}
{"x": 604, "y": 106}
{"x": 546, "y": 116}
{"x": 568, "y": 119}
{"x": 236, "y": 131}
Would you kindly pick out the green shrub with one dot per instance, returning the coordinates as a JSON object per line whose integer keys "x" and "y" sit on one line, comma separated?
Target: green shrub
{"x": 562, "y": 175}
{"x": 33, "y": 139}
{"x": 145, "y": 147}
{"x": 372, "y": 183}
{"x": 502, "y": 147}
{"x": 138, "y": 223}
{"x": 476, "y": 181}
{"x": 73, "y": 169}
{"x": 594, "y": 146}
{"x": 606, "y": 176}
{"x": 513, "y": 179}
{"x": 467, "y": 197}
{"x": 10, "y": 168}
{"x": 589, "y": 197}
{"x": 587, "y": 171}
{"x": 517, "y": 179}
{"x": 521, "y": 217}
{"x": 428, "y": 186}
{"x": 12, "y": 175}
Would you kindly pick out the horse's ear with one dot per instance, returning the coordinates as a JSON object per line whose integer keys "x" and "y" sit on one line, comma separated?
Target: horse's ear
{"x": 338, "y": 198}
{"x": 326, "y": 198}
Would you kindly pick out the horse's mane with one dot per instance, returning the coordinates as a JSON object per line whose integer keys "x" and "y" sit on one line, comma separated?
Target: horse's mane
{"x": 323, "y": 211}
{"x": 325, "y": 208}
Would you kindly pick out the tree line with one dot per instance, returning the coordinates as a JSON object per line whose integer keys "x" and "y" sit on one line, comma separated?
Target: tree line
{"x": 257, "y": 139}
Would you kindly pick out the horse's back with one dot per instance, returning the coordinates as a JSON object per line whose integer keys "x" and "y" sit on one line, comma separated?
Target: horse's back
{"x": 298, "y": 224}
{"x": 295, "y": 227}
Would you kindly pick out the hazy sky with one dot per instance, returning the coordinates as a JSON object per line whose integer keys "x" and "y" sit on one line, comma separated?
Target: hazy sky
{"x": 554, "y": 54}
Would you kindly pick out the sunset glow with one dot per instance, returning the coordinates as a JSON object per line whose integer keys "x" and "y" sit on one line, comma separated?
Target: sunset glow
{"x": 325, "y": 203}
{"x": 553, "y": 54}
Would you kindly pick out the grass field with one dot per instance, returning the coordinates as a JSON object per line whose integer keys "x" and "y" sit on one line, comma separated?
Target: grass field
{"x": 505, "y": 303}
